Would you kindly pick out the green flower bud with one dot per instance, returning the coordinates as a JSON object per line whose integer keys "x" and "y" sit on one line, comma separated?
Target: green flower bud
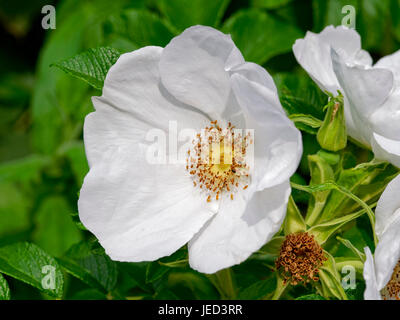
{"x": 332, "y": 134}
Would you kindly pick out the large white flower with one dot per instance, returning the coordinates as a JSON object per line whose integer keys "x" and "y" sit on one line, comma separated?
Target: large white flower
{"x": 382, "y": 272}
{"x": 142, "y": 211}
{"x": 335, "y": 61}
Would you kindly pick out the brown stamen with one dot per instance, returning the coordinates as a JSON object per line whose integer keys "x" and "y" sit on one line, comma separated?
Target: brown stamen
{"x": 300, "y": 258}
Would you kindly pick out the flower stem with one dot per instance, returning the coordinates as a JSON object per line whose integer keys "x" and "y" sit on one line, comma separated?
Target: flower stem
{"x": 223, "y": 281}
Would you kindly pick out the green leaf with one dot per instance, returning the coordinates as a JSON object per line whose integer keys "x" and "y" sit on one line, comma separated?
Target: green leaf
{"x": 24, "y": 169}
{"x": 330, "y": 280}
{"x": 270, "y": 4}
{"x": 59, "y": 102}
{"x": 273, "y": 246}
{"x": 74, "y": 151}
{"x": 4, "y": 289}
{"x": 29, "y": 263}
{"x": 133, "y": 29}
{"x": 191, "y": 285}
{"x": 311, "y": 297}
{"x": 91, "y": 265}
{"x": 366, "y": 181}
{"x": 347, "y": 243}
{"x": 183, "y": 14}
{"x": 260, "y": 36}
{"x": 91, "y": 66}
{"x": 323, "y": 231}
{"x": 157, "y": 269}
{"x": 330, "y": 185}
{"x": 294, "y": 221}
{"x": 306, "y": 122}
{"x": 55, "y": 232}
{"x": 320, "y": 172}
{"x": 258, "y": 290}
{"x": 300, "y": 95}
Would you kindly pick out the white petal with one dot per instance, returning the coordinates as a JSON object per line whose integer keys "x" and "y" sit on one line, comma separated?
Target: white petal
{"x": 391, "y": 62}
{"x": 387, "y": 253}
{"x": 386, "y": 149}
{"x": 365, "y": 89}
{"x": 134, "y": 102}
{"x": 240, "y": 228}
{"x": 385, "y": 121}
{"x": 140, "y": 211}
{"x": 371, "y": 290}
{"x": 277, "y": 142}
{"x": 194, "y": 68}
{"x": 313, "y": 54}
{"x": 388, "y": 208}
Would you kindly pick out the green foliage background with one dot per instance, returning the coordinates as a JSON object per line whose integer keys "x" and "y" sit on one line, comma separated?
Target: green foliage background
{"x": 42, "y": 159}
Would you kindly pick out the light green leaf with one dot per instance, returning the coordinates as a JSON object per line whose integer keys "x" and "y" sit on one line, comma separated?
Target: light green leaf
{"x": 260, "y": 36}
{"x": 183, "y": 14}
{"x": 311, "y": 297}
{"x": 294, "y": 221}
{"x": 320, "y": 172}
{"x": 330, "y": 280}
{"x": 349, "y": 245}
{"x": 323, "y": 231}
{"x": 4, "y": 289}
{"x": 91, "y": 265}
{"x": 306, "y": 122}
{"x": 330, "y": 185}
{"x": 91, "y": 66}
{"x": 29, "y": 263}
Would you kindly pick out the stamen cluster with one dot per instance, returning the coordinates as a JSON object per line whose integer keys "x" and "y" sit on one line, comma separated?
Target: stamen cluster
{"x": 392, "y": 289}
{"x": 300, "y": 258}
{"x": 217, "y": 161}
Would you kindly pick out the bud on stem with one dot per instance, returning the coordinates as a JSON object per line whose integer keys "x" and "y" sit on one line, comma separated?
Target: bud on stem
{"x": 332, "y": 134}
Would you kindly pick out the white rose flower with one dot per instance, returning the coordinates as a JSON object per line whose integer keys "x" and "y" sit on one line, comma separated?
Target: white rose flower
{"x": 382, "y": 272}
{"x": 142, "y": 211}
{"x": 335, "y": 61}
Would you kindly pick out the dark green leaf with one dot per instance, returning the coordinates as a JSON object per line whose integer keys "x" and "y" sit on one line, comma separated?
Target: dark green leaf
{"x": 29, "y": 263}
{"x": 260, "y": 36}
{"x": 183, "y": 14}
{"x": 55, "y": 232}
{"x": 258, "y": 290}
{"x": 90, "y": 265}
{"x": 91, "y": 66}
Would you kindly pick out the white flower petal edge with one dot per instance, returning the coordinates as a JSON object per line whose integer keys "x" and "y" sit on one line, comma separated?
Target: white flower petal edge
{"x": 239, "y": 229}
{"x": 313, "y": 53}
{"x": 335, "y": 60}
{"x": 378, "y": 270}
{"x": 371, "y": 290}
{"x": 116, "y": 201}
{"x": 141, "y": 211}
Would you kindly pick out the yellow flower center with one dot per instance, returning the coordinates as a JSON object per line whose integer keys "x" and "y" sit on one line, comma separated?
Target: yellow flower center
{"x": 392, "y": 289}
{"x": 217, "y": 161}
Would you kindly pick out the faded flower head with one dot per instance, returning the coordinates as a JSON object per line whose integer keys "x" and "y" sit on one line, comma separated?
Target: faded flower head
{"x": 300, "y": 258}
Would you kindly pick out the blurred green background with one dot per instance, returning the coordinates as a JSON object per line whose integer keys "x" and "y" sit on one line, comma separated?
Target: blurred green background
{"x": 42, "y": 160}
